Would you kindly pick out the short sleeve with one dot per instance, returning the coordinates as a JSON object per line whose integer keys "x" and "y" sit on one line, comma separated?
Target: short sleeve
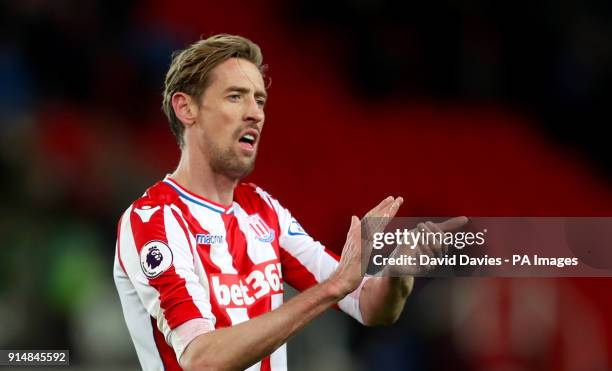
{"x": 157, "y": 256}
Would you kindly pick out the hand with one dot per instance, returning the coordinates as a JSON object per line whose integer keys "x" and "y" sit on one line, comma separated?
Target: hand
{"x": 348, "y": 275}
{"x": 375, "y": 221}
{"x": 435, "y": 247}
{"x": 387, "y": 208}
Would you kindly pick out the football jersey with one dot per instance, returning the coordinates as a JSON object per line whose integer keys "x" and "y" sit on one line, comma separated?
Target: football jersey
{"x": 180, "y": 257}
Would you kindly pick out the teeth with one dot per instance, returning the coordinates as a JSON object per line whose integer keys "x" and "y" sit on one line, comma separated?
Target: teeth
{"x": 249, "y": 137}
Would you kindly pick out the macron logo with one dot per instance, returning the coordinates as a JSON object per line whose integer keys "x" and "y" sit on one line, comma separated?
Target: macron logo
{"x": 209, "y": 239}
{"x": 146, "y": 212}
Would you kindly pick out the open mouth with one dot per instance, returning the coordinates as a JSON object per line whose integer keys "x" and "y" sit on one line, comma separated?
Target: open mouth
{"x": 249, "y": 139}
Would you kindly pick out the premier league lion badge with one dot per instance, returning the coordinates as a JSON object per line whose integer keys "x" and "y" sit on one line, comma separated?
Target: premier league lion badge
{"x": 155, "y": 258}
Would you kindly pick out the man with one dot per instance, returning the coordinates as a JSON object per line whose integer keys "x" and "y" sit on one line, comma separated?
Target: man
{"x": 201, "y": 259}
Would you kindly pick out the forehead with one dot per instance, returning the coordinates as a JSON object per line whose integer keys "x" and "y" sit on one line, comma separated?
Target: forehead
{"x": 237, "y": 72}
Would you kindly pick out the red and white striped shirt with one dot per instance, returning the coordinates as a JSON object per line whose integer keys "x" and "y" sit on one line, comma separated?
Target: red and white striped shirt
{"x": 180, "y": 257}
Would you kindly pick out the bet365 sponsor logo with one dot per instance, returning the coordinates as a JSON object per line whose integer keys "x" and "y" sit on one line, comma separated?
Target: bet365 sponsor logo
{"x": 232, "y": 290}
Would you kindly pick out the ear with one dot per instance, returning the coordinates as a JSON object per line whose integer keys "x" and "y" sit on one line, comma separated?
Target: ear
{"x": 185, "y": 108}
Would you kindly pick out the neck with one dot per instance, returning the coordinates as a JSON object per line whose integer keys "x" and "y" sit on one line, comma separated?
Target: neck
{"x": 196, "y": 175}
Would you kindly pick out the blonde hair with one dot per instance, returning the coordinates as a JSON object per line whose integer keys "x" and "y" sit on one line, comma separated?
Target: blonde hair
{"x": 190, "y": 70}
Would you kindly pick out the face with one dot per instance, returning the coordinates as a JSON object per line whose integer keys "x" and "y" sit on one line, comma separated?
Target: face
{"x": 156, "y": 254}
{"x": 230, "y": 118}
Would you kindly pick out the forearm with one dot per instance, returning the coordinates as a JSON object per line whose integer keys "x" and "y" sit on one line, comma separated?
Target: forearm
{"x": 382, "y": 299}
{"x": 240, "y": 346}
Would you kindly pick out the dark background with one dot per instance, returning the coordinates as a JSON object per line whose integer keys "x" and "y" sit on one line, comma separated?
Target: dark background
{"x": 473, "y": 108}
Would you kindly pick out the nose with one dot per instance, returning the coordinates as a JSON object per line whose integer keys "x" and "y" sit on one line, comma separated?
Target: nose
{"x": 254, "y": 113}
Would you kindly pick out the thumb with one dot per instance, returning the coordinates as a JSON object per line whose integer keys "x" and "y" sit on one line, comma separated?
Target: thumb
{"x": 355, "y": 222}
{"x": 354, "y": 228}
{"x": 453, "y": 223}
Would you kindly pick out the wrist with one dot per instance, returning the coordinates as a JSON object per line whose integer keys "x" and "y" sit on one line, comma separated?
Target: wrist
{"x": 335, "y": 288}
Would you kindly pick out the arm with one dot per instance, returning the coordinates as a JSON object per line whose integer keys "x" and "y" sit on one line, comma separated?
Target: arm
{"x": 382, "y": 299}
{"x": 240, "y": 346}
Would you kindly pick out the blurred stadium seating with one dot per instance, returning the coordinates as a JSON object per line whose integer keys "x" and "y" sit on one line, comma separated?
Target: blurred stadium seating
{"x": 463, "y": 108}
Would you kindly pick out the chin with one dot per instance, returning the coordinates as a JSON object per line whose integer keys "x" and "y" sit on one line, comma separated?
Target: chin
{"x": 248, "y": 170}
{"x": 242, "y": 170}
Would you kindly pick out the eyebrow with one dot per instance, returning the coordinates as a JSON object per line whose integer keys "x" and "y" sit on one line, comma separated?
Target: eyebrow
{"x": 243, "y": 90}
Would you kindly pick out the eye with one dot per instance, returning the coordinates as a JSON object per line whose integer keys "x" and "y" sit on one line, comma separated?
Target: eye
{"x": 234, "y": 97}
{"x": 261, "y": 103}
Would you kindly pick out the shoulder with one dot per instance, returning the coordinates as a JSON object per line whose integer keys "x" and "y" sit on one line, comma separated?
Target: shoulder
{"x": 249, "y": 195}
{"x": 153, "y": 200}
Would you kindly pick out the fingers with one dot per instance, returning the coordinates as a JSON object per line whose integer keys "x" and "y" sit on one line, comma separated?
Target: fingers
{"x": 440, "y": 247}
{"x": 434, "y": 246}
{"x": 428, "y": 240}
{"x": 453, "y": 224}
{"x": 355, "y": 227}
{"x": 377, "y": 219}
{"x": 352, "y": 246}
{"x": 381, "y": 206}
{"x": 354, "y": 231}
{"x": 393, "y": 208}
{"x": 387, "y": 208}
{"x": 426, "y": 247}
{"x": 355, "y": 222}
